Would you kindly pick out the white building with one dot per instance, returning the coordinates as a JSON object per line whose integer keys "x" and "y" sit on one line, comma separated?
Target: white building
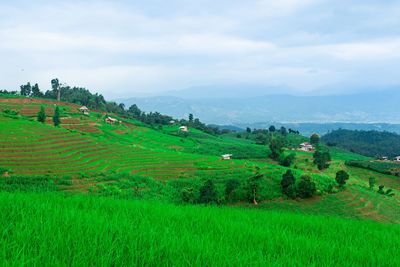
{"x": 397, "y": 159}
{"x": 183, "y": 129}
{"x": 306, "y": 147}
{"x": 226, "y": 156}
{"x": 84, "y": 110}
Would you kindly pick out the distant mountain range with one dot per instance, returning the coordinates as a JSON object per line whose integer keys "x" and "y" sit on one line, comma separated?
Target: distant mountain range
{"x": 232, "y": 108}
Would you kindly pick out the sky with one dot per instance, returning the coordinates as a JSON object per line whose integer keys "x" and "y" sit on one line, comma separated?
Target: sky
{"x": 138, "y": 48}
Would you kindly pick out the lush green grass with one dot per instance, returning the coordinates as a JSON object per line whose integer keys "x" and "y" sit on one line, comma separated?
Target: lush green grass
{"x": 50, "y": 229}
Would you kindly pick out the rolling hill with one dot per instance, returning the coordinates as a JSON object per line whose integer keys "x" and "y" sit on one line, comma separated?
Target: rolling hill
{"x": 107, "y": 171}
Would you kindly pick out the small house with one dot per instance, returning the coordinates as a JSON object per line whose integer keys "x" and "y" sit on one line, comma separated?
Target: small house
{"x": 226, "y": 156}
{"x": 384, "y": 158}
{"x": 84, "y": 110}
{"x": 306, "y": 147}
{"x": 397, "y": 159}
{"x": 111, "y": 120}
{"x": 172, "y": 122}
{"x": 183, "y": 129}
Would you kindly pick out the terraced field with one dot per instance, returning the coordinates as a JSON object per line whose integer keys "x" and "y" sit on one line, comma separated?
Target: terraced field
{"x": 28, "y": 147}
{"x": 87, "y": 150}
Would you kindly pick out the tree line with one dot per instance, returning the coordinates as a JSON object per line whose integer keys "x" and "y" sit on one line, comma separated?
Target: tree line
{"x": 368, "y": 143}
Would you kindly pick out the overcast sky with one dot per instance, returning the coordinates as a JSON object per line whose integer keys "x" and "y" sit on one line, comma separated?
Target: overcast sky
{"x": 130, "y": 48}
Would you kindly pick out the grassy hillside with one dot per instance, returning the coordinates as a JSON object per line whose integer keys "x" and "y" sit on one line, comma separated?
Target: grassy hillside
{"x": 132, "y": 159}
{"x": 50, "y": 229}
{"x": 91, "y": 193}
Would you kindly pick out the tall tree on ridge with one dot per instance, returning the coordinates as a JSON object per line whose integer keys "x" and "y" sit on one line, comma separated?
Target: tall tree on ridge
{"x": 55, "y": 85}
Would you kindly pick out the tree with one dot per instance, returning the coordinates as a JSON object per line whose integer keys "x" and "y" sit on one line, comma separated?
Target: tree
{"x": 254, "y": 184}
{"x": 321, "y": 159}
{"x": 208, "y": 194}
{"x": 261, "y": 139}
{"x": 276, "y": 146}
{"x": 314, "y": 139}
{"x": 342, "y": 177}
{"x": 306, "y": 187}
{"x": 55, "y": 85}
{"x": 283, "y": 131}
{"x": 190, "y": 118}
{"x": 288, "y": 160}
{"x": 26, "y": 89}
{"x": 230, "y": 187}
{"x": 41, "y": 116}
{"x": 36, "y": 91}
{"x": 288, "y": 184}
{"x": 371, "y": 182}
{"x": 135, "y": 111}
{"x": 56, "y": 116}
{"x": 381, "y": 189}
{"x": 248, "y": 130}
{"x": 272, "y": 128}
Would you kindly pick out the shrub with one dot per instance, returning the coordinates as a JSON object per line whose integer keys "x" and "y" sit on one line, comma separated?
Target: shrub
{"x": 208, "y": 194}
{"x": 230, "y": 187}
{"x": 342, "y": 177}
{"x": 288, "y": 184}
{"x": 288, "y": 160}
{"x": 306, "y": 187}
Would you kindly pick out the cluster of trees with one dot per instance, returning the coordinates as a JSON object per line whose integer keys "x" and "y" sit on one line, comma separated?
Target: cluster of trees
{"x": 305, "y": 188}
{"x": 322, "y": 157}
{"x": 41, "y": 116}
{"x": 233, "y": 190}
{"x": 8, "y": 92}
{"x": 264, "y": 136}
{"x": 84, "y": 97}
{"x": 368, "y": 143}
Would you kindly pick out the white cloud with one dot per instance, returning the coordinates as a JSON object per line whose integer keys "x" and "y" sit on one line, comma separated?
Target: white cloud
{"x": 117, "y": 47}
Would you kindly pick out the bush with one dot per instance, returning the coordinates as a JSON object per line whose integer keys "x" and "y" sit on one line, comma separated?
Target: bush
{"x": 288, "y": 184}
{"x": 208, "y": 194}
{"x": 342, "y": 177}
{"x": 306, "y": 187}
{"x": 288, "y": 160}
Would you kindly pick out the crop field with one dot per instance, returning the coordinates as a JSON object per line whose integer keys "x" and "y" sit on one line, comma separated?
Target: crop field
{"x": 107, "y": 232}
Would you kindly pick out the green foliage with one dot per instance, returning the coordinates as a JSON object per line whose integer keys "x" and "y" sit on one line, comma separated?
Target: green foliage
{"x": 253, "y": 186}
{"x": 389, "y": 192}
{"x": 341, "y": 177}
{"x": 188, "y": 195}
{"x": 368, "y": 143}
{"x": 322, "y": 158}
{"x": 385, "y": 167}
{"x": 3, "y": 170}
{"x": 208, "y": 194}
{"x": 288, "y": 184}
{"x": 314, "y": 139}
{"x": 22, "y": 183}
{"x": 231, "y": 187}
{"x": 288, "y": 160}
{"x": 276, "y": 146}
{"x": 371, "y": 182}
{"x": 306, "y": 187}
{"x": 41, "y": 116}
{"x": 10, "y": 112}
{"x": 56, "y": 116}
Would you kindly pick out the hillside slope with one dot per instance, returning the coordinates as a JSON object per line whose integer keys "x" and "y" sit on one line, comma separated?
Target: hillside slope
{"x": 87, "y": 155}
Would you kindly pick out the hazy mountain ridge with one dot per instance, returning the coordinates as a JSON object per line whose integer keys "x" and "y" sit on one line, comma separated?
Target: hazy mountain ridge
{"x": 371, "y": 107}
